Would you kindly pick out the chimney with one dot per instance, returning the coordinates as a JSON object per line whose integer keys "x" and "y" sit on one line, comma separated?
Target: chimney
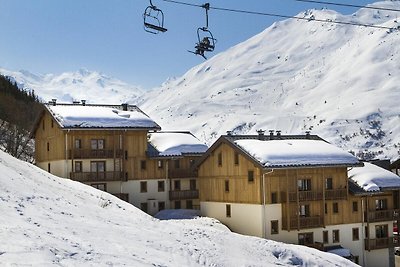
{"x": 271, "y": 134}
{"x": 124, "y": 106}
{"x": 260, "y": 134}
{"x": 83, "y": 102}
{"x": 54, "y": 101}
{"x": 75, "y": 102}
{"x": 307, "y": 134}
{"x": 229, "y": 133}
{"x": 278, "y": 133}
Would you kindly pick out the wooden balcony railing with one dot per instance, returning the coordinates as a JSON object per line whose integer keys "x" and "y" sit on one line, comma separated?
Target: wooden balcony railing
{"x": 379, "y": 243}
{"x": 94, "y": 153}
{"x": 181, "y": 173}
{"x": 98, "y": 176}
{"x": 303, "y": 222}
{"x": 381, "y": 215}
{"x": 183, "y": 194}
{"x": 333, "y": 194}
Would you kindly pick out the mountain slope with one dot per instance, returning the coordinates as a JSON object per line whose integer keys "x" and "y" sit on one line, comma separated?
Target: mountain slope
{"x": 50, "y": 220}
{"x": 69, "y": 86}
{"x": 339, "y": 81}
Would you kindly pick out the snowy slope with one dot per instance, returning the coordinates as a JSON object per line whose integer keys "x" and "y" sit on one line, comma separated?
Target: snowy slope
{"x": 46, "y": 220}
{"x": 339, "y": 81}
{"x": 69, "y": 86}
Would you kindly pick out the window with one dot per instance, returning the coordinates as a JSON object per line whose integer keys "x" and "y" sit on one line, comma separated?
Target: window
{"x": 381, "y": 231}
{"x": 357, "y": 259}
{"x": 228, "y": 210}
{"x": 366, "y": 232}
{"x": 161, "y": 205}
{"x": 126, "y": 154}
{"x": 160, "y": 164}
{"x": 192, "y": 162}
{"x": 101, "y": 186}
{"x": 335, "y": 236}
{"x": 78, "y": 166}
{"x": 177, "y": 204}
{"x": 48, "y": 167}
{"x": 306, "y": 238}
{"x": 161, "y": 186}
{"x": 356, "y": 234}
{"x": 97, "y": 144}
{"x": 220, "y": 159}
{"x": 274, "y": 227}
{"x": 143, "y": 206}
{"x": 177, "y": 185}
{"x": 193, "y": 184}
{"x": 355, "y": 206}
{"x": 335, "y": 207}
{"x": 250, "y": 176}
{"x": 143, "y": 187}
{"x": 236, "y": 158}
{"x": 78, "y": 144}
{"x": 189, "y": 204}
{"x": 326, "y": 208}
{"x": 52, "y": 124}
{"x": 98, "y": 166}
{"x": 304, "y": 210}
{"x": 226, "y": 185}
{"x": 143, "y": 165}
{"x": 177, "y": 164}
{"x": 304, "y": 184}
{"x": 274, "y": 197}
{"x": 328, "y": 184}
{"x": 381, "y": 204}
{"x": 48, "y": 146}
{"x": 325, "y": 237}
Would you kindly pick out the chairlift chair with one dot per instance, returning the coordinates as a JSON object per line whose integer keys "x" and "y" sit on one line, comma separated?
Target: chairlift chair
{"x": 153, "y": 19}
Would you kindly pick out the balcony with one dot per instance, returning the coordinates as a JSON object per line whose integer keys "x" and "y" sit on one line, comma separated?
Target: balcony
{"x": 334, "y": 194}
{"x": 381, "y": 215}
{"x": 97, "y": 176}
{"x": 183, "y": 194}
{"x": 303, "y": 222}
{"x": 181, "y": 173}
{"x": 380, "y": 243}
{"x": 94, "y": 153}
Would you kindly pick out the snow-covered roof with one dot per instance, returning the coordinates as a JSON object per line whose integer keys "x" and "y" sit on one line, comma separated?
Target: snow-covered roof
{"x": 296, "y": 152}
{"x": 372, "y": 178}
{"x": 100, "y": 116}
{"x": 176, "y": 143}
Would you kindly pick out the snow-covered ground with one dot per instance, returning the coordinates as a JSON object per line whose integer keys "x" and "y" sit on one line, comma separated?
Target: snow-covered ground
{"x": 46, "y": 220}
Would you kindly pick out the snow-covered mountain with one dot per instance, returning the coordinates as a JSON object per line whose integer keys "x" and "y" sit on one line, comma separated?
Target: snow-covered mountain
{"x": 339, "y": 81}
{"x": 92, "y": 86}
{"x": 46, "y": 220}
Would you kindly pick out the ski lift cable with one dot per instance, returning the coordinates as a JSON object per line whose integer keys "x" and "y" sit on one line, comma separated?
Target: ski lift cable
{"x": 284, "y": 16}
{"x": 349, "y": 5}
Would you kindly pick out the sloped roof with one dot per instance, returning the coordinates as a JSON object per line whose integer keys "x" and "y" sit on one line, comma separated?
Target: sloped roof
{"x": 78, "y": 116}
{"x": 287, "y": 151}
{"x": 167, "y": 144}
{"x": 291, "y": 153}
{"x": 372, "y": 178}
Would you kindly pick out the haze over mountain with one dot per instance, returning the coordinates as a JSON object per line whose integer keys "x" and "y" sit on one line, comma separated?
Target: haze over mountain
{"x": 92, "y": 86}
{"x": 338, "y": 81}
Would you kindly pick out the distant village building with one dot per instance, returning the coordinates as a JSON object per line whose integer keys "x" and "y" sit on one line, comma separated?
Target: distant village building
{"x": 296, "y": 189}
{"x": 117, "y": 149}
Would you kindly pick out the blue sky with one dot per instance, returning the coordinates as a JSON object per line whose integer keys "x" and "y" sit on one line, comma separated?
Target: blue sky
{"x": 54, "y": 36}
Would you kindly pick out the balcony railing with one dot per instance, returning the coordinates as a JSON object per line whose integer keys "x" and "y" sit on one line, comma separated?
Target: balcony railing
{"x": 381, "y": 215}
{"x": 181, "y": 173}
{"x": 183, "y": 194}
{"x": 94, "y": 153}
{"x": 97, "y": 176}
{"x": 379, "y": 243}
{"x": 303, "y": 222}
{"x": 333, "y": 194}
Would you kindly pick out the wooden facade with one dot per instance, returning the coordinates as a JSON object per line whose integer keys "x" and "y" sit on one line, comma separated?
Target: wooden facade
{"x": 103, "y": 156}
